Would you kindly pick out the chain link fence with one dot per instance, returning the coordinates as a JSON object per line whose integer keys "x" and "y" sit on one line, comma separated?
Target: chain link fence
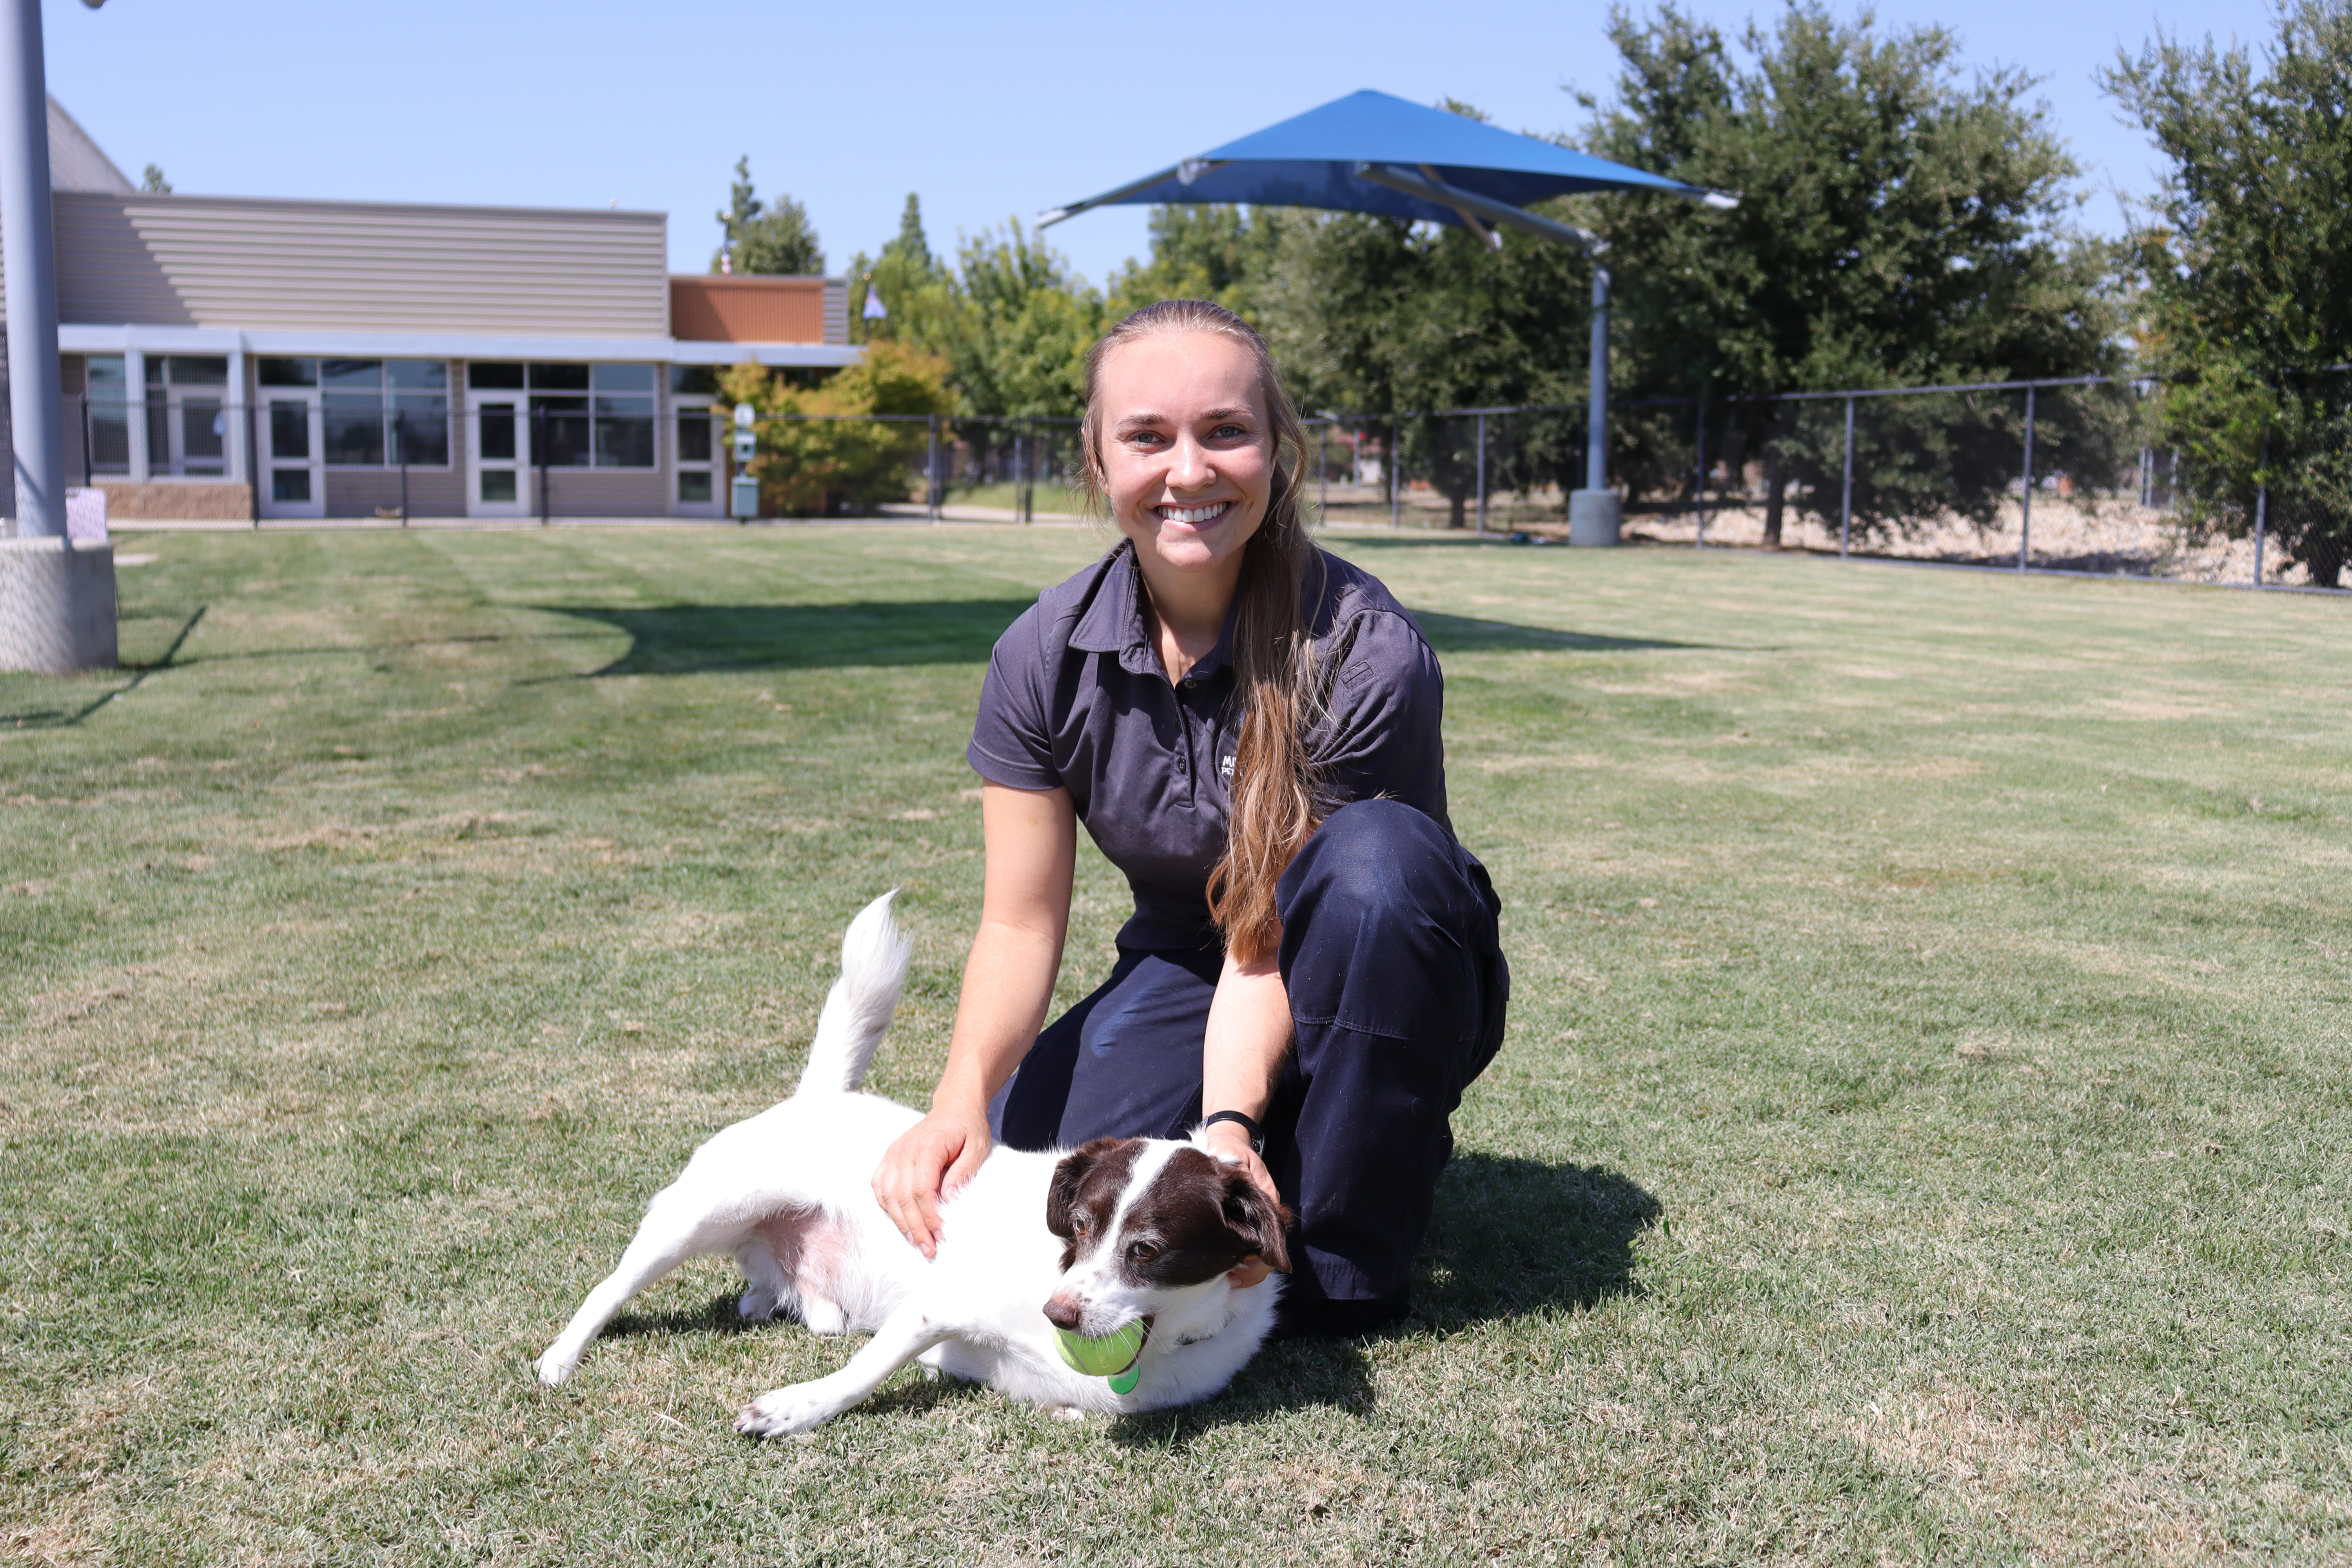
{"x": 2055, "y": 476}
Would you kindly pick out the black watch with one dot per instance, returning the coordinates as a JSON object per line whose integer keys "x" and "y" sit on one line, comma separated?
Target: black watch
{"x": 1248, "y": 1124}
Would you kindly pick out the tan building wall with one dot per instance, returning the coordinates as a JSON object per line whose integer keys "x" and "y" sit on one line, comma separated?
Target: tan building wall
{"x": 360, "y": 267}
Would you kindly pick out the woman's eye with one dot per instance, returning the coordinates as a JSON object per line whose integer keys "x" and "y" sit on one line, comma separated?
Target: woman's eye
{"x": 1231, "y": 433}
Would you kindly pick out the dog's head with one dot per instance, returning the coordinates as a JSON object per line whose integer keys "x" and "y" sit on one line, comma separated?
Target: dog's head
{"x": 1148, "y": 1227}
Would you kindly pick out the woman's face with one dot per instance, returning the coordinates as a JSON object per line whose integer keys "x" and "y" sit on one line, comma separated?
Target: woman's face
{"x": 1187, "y": 452}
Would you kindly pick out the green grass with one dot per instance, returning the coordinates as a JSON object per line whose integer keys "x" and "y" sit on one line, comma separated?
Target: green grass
{"x": 1925, "y": 1131}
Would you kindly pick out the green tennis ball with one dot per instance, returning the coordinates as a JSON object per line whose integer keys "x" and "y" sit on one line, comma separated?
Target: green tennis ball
{"x": 1105, "y": 1357}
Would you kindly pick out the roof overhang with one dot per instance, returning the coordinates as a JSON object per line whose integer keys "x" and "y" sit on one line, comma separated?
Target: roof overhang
{"x": 76, "y": 337}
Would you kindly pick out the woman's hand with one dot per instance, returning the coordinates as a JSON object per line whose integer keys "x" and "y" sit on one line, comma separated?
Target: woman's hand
{"x": 931, "y": 1159}
{"x": 1229, "y": 1142}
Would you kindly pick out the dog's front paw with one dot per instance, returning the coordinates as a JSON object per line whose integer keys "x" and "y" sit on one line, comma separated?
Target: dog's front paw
{"x": 553, "y": 1368}
{"x": 756, "y": 1305}
{"x": 780, "y": 1412}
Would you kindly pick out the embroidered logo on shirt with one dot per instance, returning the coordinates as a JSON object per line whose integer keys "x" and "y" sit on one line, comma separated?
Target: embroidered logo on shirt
{"x": 1225, "y": 769}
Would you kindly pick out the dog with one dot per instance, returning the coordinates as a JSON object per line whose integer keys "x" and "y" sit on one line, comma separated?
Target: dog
{"x": 1090, "y": 1241}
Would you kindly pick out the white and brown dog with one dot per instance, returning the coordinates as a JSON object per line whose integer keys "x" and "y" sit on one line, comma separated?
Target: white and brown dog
{"x": 1117, "y": 1231}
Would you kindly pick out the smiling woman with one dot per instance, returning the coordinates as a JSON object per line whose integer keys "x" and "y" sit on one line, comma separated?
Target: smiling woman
{"x": 1249, "y": 728}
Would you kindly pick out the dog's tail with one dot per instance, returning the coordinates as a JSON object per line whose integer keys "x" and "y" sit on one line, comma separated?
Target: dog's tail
{"x": 857, "y": 1013}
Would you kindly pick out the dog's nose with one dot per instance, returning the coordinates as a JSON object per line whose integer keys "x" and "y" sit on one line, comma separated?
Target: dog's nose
{"x": 1062, "y": 1310}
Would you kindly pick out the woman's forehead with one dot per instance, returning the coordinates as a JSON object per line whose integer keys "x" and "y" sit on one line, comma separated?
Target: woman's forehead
{"x": 1177, "y": 375}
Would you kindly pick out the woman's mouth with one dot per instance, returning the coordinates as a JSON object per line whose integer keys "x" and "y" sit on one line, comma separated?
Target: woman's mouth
{"x": 1194, "y": 515}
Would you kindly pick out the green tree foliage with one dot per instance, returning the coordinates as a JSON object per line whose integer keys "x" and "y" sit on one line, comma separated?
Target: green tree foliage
{"x": 917, "y": 288}
{"x": 770, "y": 237}
{"x": 1227, "y": 254}
{"x": 2248, "y": 273}
{"x": 1899, "y": 224}
{"x": 153, "y": 182}
{"x": 821, "y": 467}
{"x": 1028, "y": 320}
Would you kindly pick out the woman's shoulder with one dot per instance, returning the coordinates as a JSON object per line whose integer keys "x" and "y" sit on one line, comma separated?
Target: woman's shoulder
{"x": 1353, "y": 611}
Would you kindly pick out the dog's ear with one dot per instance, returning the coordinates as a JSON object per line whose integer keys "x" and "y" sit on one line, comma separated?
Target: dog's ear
{"x": 1062, "y": 1196}
{"x": 1257, "y": 1220}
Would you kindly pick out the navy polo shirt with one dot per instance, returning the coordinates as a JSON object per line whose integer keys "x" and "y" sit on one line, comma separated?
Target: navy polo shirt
{"x": 1077, "y": 698}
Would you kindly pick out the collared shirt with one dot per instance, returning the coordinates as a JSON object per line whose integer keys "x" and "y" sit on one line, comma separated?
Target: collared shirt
{"x": 1077, "y": 698}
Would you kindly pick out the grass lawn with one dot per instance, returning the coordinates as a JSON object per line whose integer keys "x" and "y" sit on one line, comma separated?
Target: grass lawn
{"x": 1925, "y": 1131}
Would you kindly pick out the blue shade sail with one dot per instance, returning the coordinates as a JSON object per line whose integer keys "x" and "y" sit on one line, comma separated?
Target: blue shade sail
{"x": 1311, "y": 161}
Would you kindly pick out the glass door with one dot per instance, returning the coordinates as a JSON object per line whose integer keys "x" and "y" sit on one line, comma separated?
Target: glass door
{"x": 498, "y": 459}
{"x": 293, "y": 467}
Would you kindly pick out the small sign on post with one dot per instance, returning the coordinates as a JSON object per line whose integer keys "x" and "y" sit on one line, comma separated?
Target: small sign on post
{"x": 744, "y": 495}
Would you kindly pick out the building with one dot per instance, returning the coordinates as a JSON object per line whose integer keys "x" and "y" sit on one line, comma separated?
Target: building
{"x": 234, "y": 357}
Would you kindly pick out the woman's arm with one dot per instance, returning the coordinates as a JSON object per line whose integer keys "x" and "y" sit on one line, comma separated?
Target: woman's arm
{"x": 1030, "y": 839}
{"x": 1241, "y": 1057}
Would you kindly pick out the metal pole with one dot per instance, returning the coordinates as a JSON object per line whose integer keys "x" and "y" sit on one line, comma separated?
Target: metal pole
{"x": 1322, "y": 472}
{"x": 252, "y": 462}
{"x": 2262, "y": 507}
{"x": 1396, "y": 478}
{"x": 539, "y": 451}
{"x": 931, "y": 472}
{"x": 1699, "y": 542}
{"x": 1482, "y": 472}
{"x": 1845, "y": 508}
{"x": 400, "y": 435}
{"x": 2025, "y": 509}
{"x": 35, "y": 391}
{"x": 1596, "y": 418}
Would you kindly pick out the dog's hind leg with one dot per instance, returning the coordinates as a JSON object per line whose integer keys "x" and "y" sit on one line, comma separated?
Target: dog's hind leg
{"x": 675, "y": 1228}
{"x": 904, "y": 1335}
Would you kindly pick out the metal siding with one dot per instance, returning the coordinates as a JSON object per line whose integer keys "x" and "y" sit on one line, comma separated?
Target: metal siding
{"x": 234, "y": 262}
{"x": 837, "y": 310}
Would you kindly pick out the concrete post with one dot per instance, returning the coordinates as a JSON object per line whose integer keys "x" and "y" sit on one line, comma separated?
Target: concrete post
{"x": 56, "y": 600}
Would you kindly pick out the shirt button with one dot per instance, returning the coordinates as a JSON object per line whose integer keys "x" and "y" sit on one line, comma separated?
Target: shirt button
{"x": 1191, "y": 681}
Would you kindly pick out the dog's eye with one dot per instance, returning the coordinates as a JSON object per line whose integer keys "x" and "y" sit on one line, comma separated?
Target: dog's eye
{"x": 1078, "y": 1227}
{"x": 1142, "y": 1252}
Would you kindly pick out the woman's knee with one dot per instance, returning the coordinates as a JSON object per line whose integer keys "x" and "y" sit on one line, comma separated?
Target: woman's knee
{"x": 1372, "y": 856}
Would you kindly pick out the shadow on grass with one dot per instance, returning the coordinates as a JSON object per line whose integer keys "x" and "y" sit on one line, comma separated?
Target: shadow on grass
{"x": 1508, "y": 1239}
{"x": 683, "y": 639}
{"x": 66, "y": 718}
{"x": 1465, "y": 634}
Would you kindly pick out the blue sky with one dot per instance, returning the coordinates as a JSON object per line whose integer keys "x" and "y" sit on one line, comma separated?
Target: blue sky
{"x": 986, "y": 112}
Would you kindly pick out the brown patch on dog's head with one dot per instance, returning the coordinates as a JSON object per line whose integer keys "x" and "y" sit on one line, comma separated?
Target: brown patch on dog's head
{"x": 1084, "y": 1196}
{"x": 1199, "y": 1218}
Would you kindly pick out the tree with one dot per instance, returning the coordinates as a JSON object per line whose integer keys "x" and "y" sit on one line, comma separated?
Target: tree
{"x": 773, "y": 237}
{"x": 153, "y": 182}
{"x": 2248, "y": 272}
{"x": 820, "y": 467}
{"x": 1028, "y": 324}
{"x": 1217, "y": 252}
{"x": 917, "y": 288}
{"x": 1898, "y": 226}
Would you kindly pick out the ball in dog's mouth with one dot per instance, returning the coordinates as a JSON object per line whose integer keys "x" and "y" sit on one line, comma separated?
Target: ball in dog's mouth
{"x": 1109, "y": 1356}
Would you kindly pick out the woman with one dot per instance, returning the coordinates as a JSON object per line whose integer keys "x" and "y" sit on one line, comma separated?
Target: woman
{"x": 1248, "y": 728}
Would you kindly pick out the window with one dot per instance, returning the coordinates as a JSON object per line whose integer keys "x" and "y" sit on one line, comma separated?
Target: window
{"x": 187, "y": 416}
{"x": 583, "y": 415}
{"x": 106, "y": 397}
{"x": 376, "y": 414}
{"x": 694, "y": 379}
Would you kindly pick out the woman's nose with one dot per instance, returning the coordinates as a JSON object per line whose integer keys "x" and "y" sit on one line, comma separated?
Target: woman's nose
{"x": 1188, "y": 466}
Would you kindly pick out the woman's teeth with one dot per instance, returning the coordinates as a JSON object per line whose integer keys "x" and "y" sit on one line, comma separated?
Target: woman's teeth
{"x": 1195, "y": 513}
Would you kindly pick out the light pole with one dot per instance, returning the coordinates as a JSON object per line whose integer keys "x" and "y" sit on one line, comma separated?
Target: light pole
{"x": 57, "y": 594}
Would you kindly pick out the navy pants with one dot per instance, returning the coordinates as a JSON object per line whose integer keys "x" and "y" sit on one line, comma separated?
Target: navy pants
{"x": 1397, "y": 993}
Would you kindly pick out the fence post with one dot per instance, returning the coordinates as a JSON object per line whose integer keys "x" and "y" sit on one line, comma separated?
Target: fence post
{"x": 400, "y": 439}
{"x": 931, "y": 471}
{"x": 539, "y": 451}
{"x": 1846, "y": 505}
{"x": 1323, "y": 473}
{"x": 1396, "y": 474}
{"x": 252, "y": 464}
{"x": 1482, "y": 472}
{"x": 2262, "y": 507}
{"x": 2025, "y": 508}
